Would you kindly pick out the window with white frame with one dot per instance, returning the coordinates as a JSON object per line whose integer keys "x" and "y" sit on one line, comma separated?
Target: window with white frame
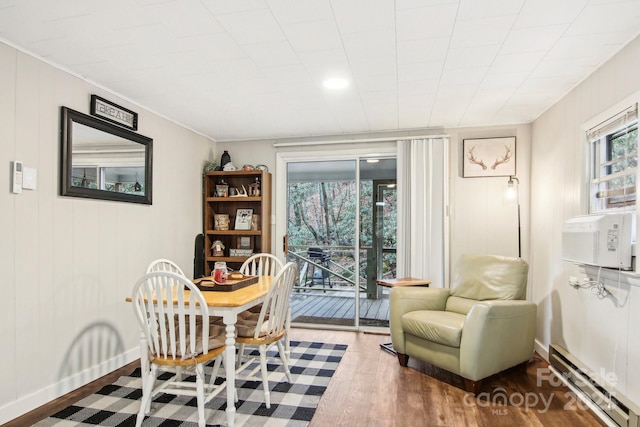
{"x": 614, "y": 161}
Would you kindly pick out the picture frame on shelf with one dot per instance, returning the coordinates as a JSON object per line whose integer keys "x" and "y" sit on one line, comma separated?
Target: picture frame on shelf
{"x": 244, "y": 242}
{"x": 243, "y": 219}
{"x": 221, "y": 222}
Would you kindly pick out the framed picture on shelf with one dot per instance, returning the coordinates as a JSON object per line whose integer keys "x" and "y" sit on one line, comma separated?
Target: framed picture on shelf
{"x": 244, "y": 242}
{"x": 243, "y": 219}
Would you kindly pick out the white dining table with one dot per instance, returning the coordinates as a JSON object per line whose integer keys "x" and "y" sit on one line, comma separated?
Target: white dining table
{"x": 226, "y": 305}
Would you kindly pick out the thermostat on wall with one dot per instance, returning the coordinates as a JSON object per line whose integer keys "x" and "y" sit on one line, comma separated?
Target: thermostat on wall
{"x": 16, "y": 177}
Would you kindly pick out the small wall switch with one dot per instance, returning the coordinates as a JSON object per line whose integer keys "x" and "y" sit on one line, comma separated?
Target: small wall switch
{"x": 29, "y": 178}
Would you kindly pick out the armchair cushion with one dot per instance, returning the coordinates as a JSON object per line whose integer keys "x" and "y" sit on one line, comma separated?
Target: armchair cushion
{"x": 489, "y": 277}
{"x": 460, "y": 305}
{"x": 442, "y": 327}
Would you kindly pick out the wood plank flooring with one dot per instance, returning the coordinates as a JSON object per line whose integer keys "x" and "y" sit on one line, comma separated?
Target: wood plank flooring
{"x": 371, "y": 389}
{"x": 340, "y": 307}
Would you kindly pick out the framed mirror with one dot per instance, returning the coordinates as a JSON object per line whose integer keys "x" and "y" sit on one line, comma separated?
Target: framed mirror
{"x": 100, "y": 160}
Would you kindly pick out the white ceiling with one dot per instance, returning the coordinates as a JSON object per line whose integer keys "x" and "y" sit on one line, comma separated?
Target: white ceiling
{"x": 246, "y": 69}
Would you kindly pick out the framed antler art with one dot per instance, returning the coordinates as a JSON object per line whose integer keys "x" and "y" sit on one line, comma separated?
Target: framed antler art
{"x": 489, "y": 157}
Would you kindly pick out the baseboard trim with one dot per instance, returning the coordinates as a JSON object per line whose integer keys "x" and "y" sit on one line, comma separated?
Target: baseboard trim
{"x": 24, "y": 404}
{"x": 541, "y": 349}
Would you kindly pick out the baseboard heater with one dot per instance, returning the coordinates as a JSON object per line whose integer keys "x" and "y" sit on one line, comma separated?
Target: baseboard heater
{"x": 621, "y": 410}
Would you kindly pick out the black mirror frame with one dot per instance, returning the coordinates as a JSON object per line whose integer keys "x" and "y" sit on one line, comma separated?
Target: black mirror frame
{"x": 68, "y": 117}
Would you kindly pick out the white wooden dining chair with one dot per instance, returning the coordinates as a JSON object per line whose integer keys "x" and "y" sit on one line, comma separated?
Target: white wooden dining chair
{"x": 162, "y": 264}
{"x": 175, "y": 338}
{"x": 269, "y": 328}
{"x": 262, "y": 264}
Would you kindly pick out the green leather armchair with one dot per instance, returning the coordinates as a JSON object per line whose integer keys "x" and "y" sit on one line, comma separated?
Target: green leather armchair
{"x": 478, "y": 327}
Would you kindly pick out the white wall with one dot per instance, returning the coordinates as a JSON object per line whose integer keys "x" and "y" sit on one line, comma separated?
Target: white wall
{"x": 67, "y": 264}
{"x": 482, "y": 220}
{"x": 596, "y": 331}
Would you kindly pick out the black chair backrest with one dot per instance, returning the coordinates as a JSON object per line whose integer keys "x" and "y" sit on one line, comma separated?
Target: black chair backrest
{"x": 198, "y": 258}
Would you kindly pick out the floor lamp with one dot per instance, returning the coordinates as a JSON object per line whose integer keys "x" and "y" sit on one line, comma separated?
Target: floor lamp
{"x": 513, "y": 192}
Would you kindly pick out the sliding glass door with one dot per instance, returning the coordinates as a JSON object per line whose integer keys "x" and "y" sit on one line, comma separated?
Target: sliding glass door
{"x": 340, "y": 230}
{"x": 378, "y": 237}
{"x": 321, "y": 232}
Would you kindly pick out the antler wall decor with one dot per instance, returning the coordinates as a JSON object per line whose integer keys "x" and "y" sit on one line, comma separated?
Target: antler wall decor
{"x": 471, "y": 155}
{"x": 484, "y": 157}
{"x": 503, "y": 159}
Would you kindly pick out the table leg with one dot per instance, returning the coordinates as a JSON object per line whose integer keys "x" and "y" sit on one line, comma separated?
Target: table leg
{"x": 230, "y": 365}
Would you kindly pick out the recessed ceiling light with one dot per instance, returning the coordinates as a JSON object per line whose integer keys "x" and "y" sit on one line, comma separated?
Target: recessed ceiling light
{"x": 335, "y": 83}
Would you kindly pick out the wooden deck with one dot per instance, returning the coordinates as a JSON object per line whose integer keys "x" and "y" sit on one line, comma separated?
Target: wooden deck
{"x": 337, "y": 307}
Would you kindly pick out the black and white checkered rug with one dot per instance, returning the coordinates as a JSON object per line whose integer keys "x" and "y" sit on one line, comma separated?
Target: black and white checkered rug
{"x": 312, "y": 365}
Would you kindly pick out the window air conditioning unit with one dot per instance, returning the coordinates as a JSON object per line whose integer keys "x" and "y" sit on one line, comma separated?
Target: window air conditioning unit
{"x": 603, "y": 240}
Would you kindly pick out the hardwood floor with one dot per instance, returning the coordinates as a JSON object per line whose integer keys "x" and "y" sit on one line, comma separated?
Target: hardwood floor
{"x": 371, "y": 389}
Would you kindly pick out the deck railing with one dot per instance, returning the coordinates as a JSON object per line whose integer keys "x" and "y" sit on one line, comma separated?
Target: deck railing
{"x": 304, "y": 262}
{"x": 339, "y": 277}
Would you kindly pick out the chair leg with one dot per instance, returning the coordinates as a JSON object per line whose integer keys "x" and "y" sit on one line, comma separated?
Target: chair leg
{"x": 200, "y": 394}
{"x": 403, "y": 359}
{"x": 239, "y": 355}
{"x": 214, "y": 372}
{"x": 287, "y": 334}
{"x": 147, "y": 393}
{"x": 283, "y": 358}
{"x": 472, "y": 386}
{"x": 265, "y": 374}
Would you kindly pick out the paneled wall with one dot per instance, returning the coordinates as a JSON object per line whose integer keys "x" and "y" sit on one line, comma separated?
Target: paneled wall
{"x": 481, "y": 219}
{"x": 602, "y": 333}
{"x": 67, "y": 264}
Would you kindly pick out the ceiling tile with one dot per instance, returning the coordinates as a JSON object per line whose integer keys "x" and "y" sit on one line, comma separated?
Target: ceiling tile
{"x": 221, "y": 7}
{"x": 254, "y": 26}
{"x": 185, "y": 18}
{"x": 370, "y": 44}
{"x": 515, "y": 63}
{"x": 271, "y": 54}
{"x": 357, "y": 16}
{"x": 533, "y": 39}
{"x": 426, "y": 22}
{"x": 318, "y": 35}
{"x": 595, "y": 18}
{"x": 472, "y": 10}
{"x": 540, "y": 13}
{"x": 463, "y": 76}
{"x": 479, "y": 56}
{"x": 422, "y": 50}
{"x": 486, "y": 31}
{"x": 299, "y": 11}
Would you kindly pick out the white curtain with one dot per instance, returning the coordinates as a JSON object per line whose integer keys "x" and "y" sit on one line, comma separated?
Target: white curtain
{"x": 422, "y": 205}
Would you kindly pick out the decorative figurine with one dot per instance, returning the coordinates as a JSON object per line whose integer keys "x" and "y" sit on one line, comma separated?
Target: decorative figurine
{"x": 254, "y": 188}
{"x": 225, "y": 158}
{"x": 218, "y": 248}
